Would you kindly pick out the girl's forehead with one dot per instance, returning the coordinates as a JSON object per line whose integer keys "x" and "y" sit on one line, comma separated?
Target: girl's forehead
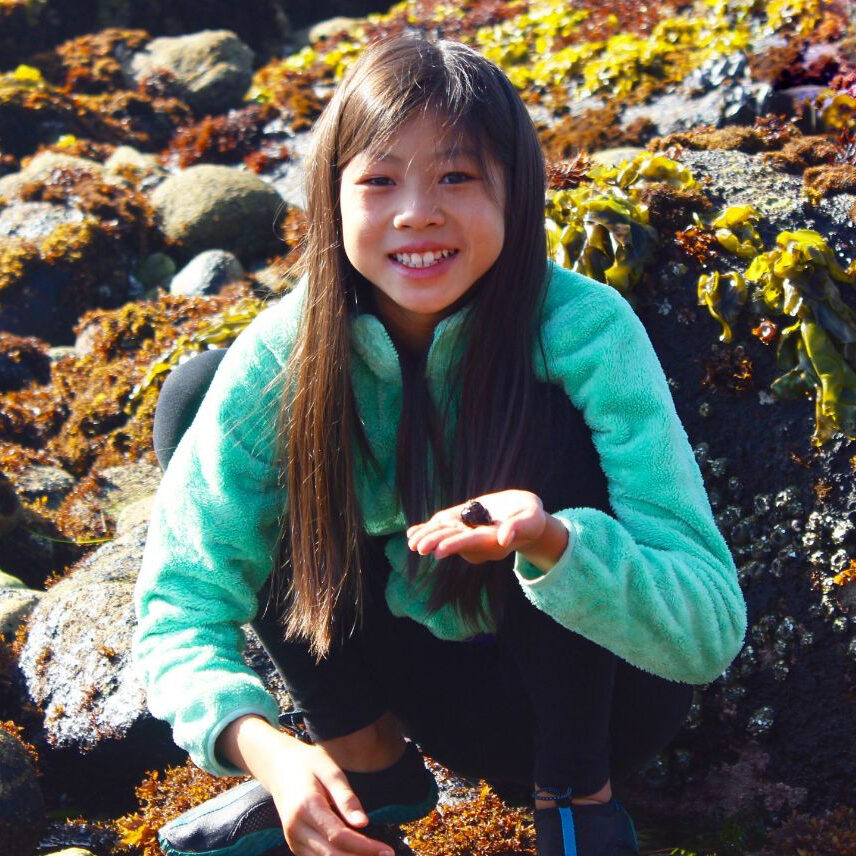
{"x": 428, "y": 134}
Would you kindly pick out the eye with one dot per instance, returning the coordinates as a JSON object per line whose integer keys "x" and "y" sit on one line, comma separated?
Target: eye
{"x": 456, "y": 177}
{"x": 378, "y": 181}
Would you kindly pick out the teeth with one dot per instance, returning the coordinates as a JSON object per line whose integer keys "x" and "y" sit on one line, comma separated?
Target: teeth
{"x": 420, "y": 260}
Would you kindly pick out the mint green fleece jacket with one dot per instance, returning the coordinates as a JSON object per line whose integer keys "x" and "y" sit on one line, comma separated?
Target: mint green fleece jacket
{"x": 655, "y": 584}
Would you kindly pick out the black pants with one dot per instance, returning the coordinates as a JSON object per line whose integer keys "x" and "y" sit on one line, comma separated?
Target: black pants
{"x": 535, "y": 702}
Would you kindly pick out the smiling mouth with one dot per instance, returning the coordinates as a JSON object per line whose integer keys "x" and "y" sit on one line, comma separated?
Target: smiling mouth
{"x": 422, "y": 260}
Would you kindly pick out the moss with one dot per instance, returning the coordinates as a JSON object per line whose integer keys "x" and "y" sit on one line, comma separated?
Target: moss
{"x": 820, "y": 181}
{"x": 90, "y": 63}
{"x": 751, "y": 140}
{"x": 594, "y": 130}
{"x": 17, "y": 258}
{"x": 802, "y": 152}
{"x": 221, "y": 139}
{"x": 484, "y": 825}
{"x": 163, "y": 797}
{"x": 671, "y": 208}
{"x": 288, "y": 90}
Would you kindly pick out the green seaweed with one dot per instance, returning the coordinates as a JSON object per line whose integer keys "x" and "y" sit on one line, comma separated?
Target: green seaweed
{"x": 798, "y": 279}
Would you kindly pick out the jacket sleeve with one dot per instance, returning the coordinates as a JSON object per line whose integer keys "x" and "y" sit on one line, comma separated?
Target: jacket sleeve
{"x": 656, "y": 583}
{"x": 209, "y": 550}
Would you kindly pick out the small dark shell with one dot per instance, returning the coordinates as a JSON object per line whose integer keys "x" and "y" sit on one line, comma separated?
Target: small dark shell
{"x": 475, "y": 514}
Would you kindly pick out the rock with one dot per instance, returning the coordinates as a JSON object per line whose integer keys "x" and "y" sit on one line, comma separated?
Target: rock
{"x": 116, "y": 488}
{"x": 135, "y": 513}
{"x": 7, "y": 581}
{"x": 36, "y": 481}
{"x": 324, "y": 29}
{"x": 32, "y": 221}
{"x": 207, "y": 273}
{"x": 210, "y": 70}
{"x": 59, "y": 352}
{"x": 613, "y": 157}
{"x": 22, "y": 809}
{"x": 22, "y": 361}
{"x": 210, "y": 207}
{"x": 43, "y": 164}
{"x": 155, "y": 271}
{"x": 145, "y": 168}
{"x": 71, "y": 851}
{"x": 15, "y": 605}
{"x": 76, "y": 661}
{"x": 10, "y": 506}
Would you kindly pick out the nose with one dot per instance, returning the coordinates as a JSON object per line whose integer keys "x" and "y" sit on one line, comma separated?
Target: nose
{"x": 418, "y": 210}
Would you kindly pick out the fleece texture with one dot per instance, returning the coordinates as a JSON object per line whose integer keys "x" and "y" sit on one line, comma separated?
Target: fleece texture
{"x": 655, "y": 583}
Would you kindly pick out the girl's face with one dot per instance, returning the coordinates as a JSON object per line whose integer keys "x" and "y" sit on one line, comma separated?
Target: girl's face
{"x": 421, "y": 223}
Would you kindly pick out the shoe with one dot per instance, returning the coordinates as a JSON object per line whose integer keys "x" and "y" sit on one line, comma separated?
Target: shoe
{"x": 240, "y": 822}
{"x": 402, "y": 793}
{"x": 243, "y": 821}
{"x": 583, "y": 830}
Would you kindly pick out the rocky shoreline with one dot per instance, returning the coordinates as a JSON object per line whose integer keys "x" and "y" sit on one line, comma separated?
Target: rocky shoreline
{"x": 702, "y": 160}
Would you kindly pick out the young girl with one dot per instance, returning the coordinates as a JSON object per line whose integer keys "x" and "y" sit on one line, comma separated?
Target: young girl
{"x": 429, "y": 356}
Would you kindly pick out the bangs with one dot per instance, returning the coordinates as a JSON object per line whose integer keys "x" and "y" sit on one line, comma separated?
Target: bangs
{"x": 437, "y": 81}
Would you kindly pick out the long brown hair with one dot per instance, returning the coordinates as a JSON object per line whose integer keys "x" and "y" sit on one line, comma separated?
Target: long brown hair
{"x": 321, "y": 437}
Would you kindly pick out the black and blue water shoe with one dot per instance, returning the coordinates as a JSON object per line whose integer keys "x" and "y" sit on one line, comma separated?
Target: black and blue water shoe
{"x": 584, "y": 830}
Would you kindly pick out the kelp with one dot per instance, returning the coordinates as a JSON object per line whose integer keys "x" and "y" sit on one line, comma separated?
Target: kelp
{"x": 601, "y": 228}
{"x": 816, "y": 353}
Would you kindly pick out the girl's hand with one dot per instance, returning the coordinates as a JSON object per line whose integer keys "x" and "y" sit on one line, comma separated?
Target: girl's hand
{"x": 308, "y": 789}
{"x": 519, "y": 524}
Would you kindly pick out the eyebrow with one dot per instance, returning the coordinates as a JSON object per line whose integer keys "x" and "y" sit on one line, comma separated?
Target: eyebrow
{"x": 446, "y": 154}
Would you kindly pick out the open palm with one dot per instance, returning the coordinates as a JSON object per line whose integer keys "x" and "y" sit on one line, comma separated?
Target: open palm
{"x": 518, "y": 520}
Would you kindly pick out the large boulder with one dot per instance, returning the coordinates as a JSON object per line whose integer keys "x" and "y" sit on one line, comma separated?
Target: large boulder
{"x": 215, "y": 207}
{"x": 210, "y": 70}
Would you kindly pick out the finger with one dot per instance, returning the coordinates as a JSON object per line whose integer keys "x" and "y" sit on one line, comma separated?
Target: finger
{"x": 344, "y": 799}
{"x": 426, "y": 543}
{"x": 327, "y": 825}
{"x": 348, "y": 842}
{"x": 474, "y": 540}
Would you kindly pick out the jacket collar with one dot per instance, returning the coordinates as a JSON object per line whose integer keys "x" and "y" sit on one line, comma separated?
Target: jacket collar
{"x": 371, "y": 342}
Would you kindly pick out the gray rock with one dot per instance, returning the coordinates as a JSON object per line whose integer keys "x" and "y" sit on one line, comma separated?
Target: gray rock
{"x": 287, "y": 177}
{"x": 76, "y": 661}
{"x": 207, "y": 273}
{"x": 216, "y": 207}
{"x": 77, "y": 658}
{"x": 37, "y": 481}
{"x": 32, "y": 221}
{"x": 126, "y": 484}
{"x": 212, "y": 69}
{"x": 15, "y": 605}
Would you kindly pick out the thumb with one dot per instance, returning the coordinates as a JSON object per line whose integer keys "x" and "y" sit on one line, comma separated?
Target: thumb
{"x": 344, "y": 799}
